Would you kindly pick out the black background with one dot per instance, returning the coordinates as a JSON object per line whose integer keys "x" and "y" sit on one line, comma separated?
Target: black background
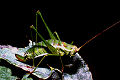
{"x": 77, "y": 24}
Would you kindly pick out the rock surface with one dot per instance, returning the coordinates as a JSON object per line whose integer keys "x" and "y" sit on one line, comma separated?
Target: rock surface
{"x": 76, "y": 69}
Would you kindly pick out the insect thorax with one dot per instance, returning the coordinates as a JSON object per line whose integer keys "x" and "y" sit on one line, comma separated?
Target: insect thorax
{"x": 40, "y": 48}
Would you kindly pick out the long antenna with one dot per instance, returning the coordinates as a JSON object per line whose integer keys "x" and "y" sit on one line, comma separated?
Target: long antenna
{"x": 99, "y": 34}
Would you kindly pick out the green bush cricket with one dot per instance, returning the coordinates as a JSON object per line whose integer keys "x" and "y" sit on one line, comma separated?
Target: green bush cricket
{"x": 54, "y": 44}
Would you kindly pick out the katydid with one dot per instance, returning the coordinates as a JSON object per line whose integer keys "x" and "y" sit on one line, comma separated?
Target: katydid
{"x": 54, "y": 44}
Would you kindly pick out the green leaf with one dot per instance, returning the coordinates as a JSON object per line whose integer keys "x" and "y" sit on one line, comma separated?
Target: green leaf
{"x": 6, "y": 74}
{"x": 25, "y": 77}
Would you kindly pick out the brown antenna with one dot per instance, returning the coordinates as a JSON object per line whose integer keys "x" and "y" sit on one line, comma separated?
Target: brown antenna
{"x": 99, "y": 34}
